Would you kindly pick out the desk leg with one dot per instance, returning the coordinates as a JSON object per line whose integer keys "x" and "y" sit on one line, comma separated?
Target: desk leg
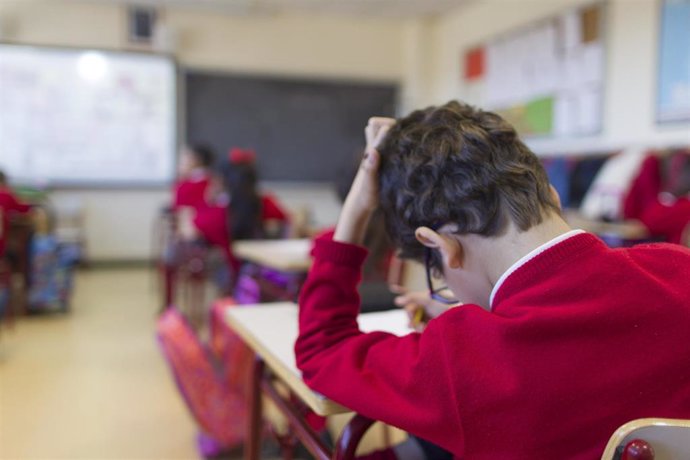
{"x": 300, "y": 428}
{"x": 351, "y": 436}
{"x": 252, "y": 445}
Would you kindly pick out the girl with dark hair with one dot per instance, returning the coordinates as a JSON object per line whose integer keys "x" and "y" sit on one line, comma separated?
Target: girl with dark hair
{"x": 244, "y": 210}
{"x": 233, "y": 209}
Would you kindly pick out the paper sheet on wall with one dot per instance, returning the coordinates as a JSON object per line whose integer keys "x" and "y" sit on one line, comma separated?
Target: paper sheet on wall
{"x": 549, "y": 70}
{"x": 592, "y": 63}
{"x": 565, "y": 114}
{"x": 589, "y": 110}
{"x": 571, "y": 31}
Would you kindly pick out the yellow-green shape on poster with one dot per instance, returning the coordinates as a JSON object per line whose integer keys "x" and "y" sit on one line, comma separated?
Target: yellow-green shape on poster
{"x": 539, "y": 116}
{"x": 532, "y": 118}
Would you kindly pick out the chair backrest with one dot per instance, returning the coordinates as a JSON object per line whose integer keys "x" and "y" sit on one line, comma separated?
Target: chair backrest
{"x": 669, "y": 438}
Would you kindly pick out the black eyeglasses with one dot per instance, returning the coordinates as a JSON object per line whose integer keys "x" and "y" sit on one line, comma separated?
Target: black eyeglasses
{"x": 442, "y": 294}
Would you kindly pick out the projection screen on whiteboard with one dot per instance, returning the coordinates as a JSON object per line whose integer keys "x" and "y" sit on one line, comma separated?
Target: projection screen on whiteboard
{"x": 85, "y": 117}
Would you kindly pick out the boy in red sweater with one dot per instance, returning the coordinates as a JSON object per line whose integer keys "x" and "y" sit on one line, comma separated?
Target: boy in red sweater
{"x": 560, "y": 339}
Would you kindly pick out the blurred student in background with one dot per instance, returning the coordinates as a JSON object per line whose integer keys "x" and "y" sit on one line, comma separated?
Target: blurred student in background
{"x": 234, "y": 209}
{"x": 660, "y": 196}
{"x": 9, "y": 204}
{"x": 194, "y": 171}
{"x": 188, "y": 193}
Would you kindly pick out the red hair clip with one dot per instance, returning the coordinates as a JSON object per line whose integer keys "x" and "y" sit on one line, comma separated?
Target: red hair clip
{"x": 238, "y": 155}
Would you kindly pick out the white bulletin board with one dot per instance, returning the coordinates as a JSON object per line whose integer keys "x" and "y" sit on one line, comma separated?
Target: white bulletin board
{"x": 546, "y": 79}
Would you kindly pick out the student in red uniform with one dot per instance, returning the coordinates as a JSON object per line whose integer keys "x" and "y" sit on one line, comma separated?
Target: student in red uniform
{"x": 560, "y": 339}
{"x": 233, "y": 197}
{"x": 234, "y": 209}
{"x": 193, "y": 176}
{"x": 9, "y": 204}
{"x": 189, "y": 193}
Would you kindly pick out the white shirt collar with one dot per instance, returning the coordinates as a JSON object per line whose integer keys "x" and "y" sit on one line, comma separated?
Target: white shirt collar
{"x": 531, "y": 255}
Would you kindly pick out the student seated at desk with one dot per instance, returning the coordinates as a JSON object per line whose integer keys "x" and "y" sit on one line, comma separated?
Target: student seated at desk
{"x": 193, "y": 176}
{"x": 233, "y": 208}
{"x": 560, "y": 339}
{"x": 660, "y": 196}
{"x": 9, "y": 204}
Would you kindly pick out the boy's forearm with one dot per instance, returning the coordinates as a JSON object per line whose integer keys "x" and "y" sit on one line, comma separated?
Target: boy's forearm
{"x": 352, "y": 225}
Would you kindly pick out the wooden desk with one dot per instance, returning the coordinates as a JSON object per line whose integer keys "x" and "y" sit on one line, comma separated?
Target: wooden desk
{"x": 276, "y": 269}
{"x": 283, "y": 255}
{"x": 270, "y": 330}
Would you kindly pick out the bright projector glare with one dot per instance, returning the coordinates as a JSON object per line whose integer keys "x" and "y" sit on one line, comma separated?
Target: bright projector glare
{"x": 92, "y": 66}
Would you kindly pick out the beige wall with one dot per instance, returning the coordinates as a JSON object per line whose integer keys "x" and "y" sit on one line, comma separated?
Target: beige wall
{"x": 631, "y": 67}
{"x": 314, "y": 46}
{"x": 425, "y": 55}
{"x": 295, "y": 44}
{"x": 119, "y": 222}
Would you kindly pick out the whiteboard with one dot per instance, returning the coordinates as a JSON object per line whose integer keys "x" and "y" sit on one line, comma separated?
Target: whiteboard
{"x": 86, "y": 117}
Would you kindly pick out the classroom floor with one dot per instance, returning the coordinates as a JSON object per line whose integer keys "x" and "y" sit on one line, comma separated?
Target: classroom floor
{"x": 92, "y": 384}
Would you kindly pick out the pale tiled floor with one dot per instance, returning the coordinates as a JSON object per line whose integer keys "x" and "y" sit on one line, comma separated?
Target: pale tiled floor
{"x": 92, "y": 384}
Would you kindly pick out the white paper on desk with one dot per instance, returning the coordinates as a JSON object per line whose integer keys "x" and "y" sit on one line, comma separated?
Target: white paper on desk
{"x": 393, "y": 321}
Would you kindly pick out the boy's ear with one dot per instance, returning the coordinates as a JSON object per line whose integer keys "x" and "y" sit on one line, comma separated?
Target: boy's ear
{"x": 427, "y": 237}
{"x": 556, "y": 197}
{"x": 449, "y": 246}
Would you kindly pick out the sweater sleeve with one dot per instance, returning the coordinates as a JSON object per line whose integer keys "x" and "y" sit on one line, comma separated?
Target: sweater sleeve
{"x": 13, "y": 204}
{"x": 271, "y": 209}
{"x": 403, "y": 381}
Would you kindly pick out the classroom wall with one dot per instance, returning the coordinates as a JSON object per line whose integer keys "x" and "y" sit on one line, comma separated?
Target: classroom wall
{"x": 632, "y": 28}
{"x": 418, "y": 67}
{"x": 119, "y": 222}
{"x": 425, "y": 55}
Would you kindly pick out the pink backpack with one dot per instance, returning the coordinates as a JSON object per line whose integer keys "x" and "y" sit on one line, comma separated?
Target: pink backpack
{"x": 217, "y": 406}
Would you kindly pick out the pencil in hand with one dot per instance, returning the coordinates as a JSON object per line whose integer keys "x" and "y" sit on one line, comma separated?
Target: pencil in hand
{"x": 419, "y": 319}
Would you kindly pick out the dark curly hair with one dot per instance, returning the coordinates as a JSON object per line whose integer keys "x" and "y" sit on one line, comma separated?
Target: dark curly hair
{"x": 461, "y": 165}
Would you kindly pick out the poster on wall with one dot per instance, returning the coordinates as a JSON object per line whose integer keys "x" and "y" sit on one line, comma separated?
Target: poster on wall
{"x": 546, "y": 79}
{"x": 673, "y": 100}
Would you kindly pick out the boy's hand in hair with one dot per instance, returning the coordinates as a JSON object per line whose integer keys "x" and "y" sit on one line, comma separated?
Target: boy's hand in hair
{"x": 375, "y": 131}
{"x": 362, "y": 199}
{"x": 418, "y": 304}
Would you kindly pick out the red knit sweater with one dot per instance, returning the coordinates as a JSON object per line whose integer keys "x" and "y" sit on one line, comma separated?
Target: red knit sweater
{"x": 9, "y": 204}
{"x": 581, "y": 339}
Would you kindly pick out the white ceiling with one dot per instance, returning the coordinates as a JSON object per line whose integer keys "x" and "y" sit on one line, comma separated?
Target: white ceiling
{"x": 377, "y": 8}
